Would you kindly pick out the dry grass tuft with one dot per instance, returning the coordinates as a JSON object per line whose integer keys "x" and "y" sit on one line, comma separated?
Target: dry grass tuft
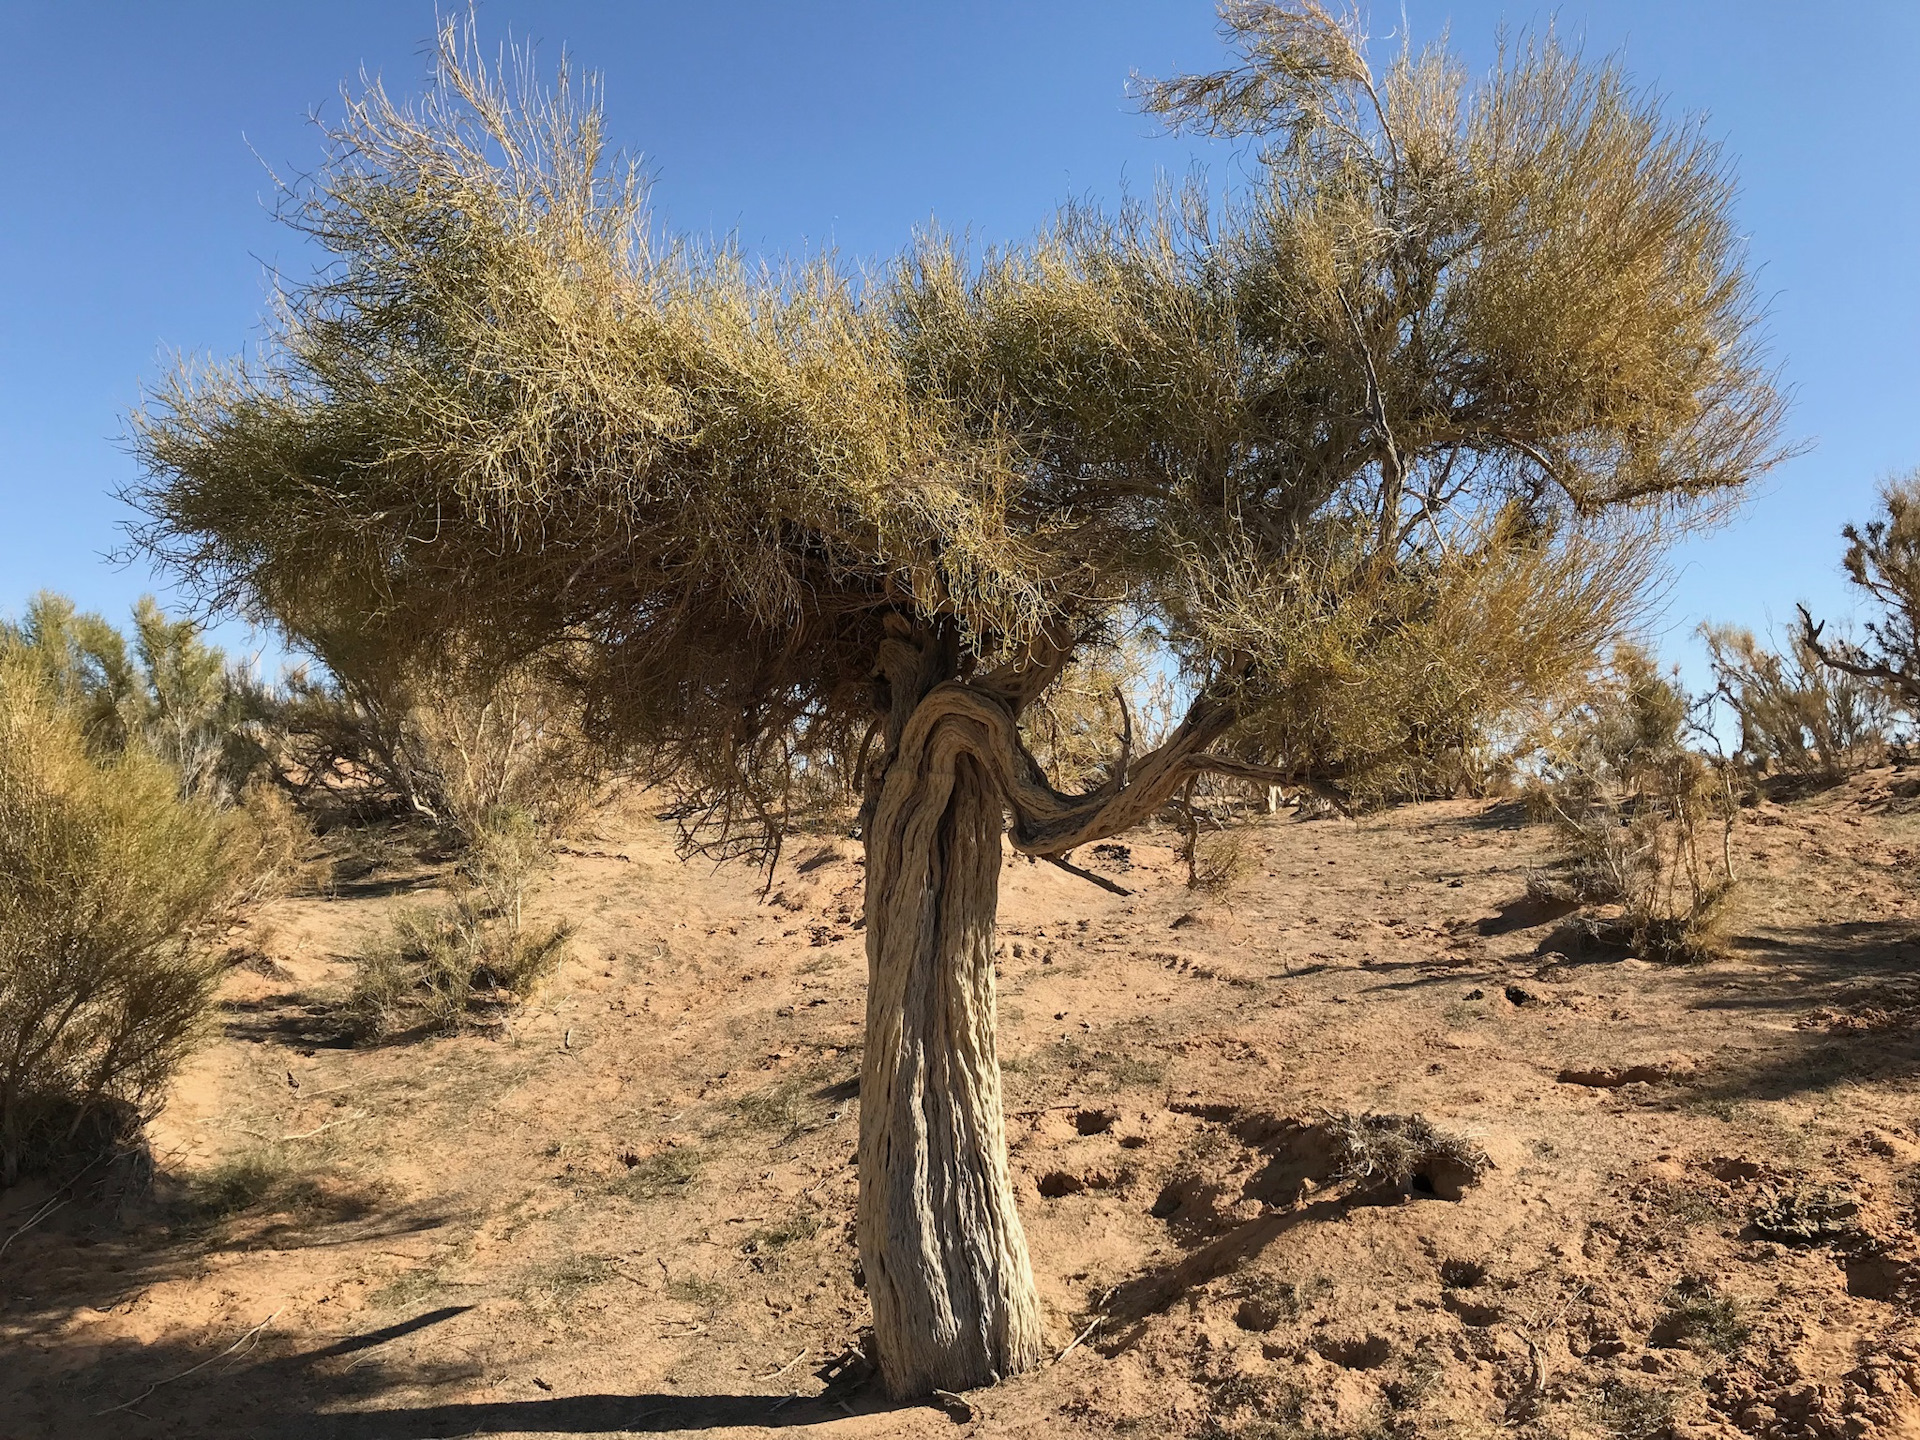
{"x": 444, "y": 968}
{"x": 1387, "y": 1155}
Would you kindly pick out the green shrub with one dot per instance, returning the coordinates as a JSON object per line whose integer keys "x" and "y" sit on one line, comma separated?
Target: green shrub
{"x": 111, "y": 884}
{"x": 168, "y": 692}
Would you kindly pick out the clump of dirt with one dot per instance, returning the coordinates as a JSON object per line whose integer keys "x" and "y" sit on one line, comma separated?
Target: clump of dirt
{"x": 1387, "y": 1157}
{"x": 1815, "y": 1215}
{"x": 1780, "y": 1393}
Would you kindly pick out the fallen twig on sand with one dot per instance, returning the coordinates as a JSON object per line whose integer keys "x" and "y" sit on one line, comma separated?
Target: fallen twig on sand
{"x": 1088, "y": 875}
{"x": 1092, "y": 1325}
{"x": 262, "y": 1136}
{"x": 191, "y": 1369}
{"x": 34, "y": 1219}
{"x": 309, "y": 1134}
{"x": 776, "y": 1374}
{"x": 59, "y": 1197}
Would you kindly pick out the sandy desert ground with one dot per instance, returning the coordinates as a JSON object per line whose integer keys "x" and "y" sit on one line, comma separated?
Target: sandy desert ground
{"x": 629, "y": 1212}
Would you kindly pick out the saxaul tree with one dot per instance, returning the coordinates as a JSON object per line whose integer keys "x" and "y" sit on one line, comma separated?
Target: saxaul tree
{"x": 1882, "y": 560}
{"x": 1415, "y": 392}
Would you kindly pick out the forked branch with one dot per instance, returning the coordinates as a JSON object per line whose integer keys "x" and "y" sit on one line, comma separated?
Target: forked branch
{"x": 956, "y": 719}
{"x": 1849, "y": 661}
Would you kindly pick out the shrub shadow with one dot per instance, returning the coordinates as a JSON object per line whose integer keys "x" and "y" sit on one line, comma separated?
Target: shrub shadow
{"x": 277, "y": 1388}
{"x": 1851, "y": 991}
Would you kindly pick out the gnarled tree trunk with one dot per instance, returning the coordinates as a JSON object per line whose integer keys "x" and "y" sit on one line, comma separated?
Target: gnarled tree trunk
{"x": 954, "y": 1304}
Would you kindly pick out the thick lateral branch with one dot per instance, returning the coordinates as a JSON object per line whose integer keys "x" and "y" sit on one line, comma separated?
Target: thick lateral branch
{"x": 1088, "y": 875}
{"x": 1269, "y": 775}
{"x": 955, "y": 717}
{"x": 1046, "y": 822}
{"x": 1840, "y": 660}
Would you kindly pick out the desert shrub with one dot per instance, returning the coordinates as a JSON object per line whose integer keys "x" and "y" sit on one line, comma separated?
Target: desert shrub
{"x": 1647, "y": 821}
{"x": 1797, "y": 714}
{"x": 1882, "y": 559}
{"x": 112, "y": 883}
{"x": 1217, "y": 852}
{"x": 448, "y": 741}
{"x": 271, "y": 841}
{"x": 1437, "y": 680}
{"x": 167, "y": 691}
{"x": 442, "y": 968}
{"x": 1221, "y": 860}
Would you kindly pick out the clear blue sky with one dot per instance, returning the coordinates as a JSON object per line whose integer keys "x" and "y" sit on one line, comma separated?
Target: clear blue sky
{"x": 134, "y": 220}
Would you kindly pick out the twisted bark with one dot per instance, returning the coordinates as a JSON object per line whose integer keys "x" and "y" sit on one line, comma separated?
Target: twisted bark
{"x": 954, "y": 1304}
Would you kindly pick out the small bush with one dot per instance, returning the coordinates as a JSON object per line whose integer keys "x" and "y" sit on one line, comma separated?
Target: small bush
{"x": 1221, "y": 861}
{"x": 1647, "y": 821}
{"x": 167, "y": 692}
{"x": 1633, "y": 1412}
{"x": 1700, "y": 1318}
{"x": 262, "y": 1178}
{"x": 1385, "y": 1154}
{"x": 441, "y": 968}
{"x": 1797, "y": 715}
{"x": 112, "y": 883}
{"x": 448, "y": 743}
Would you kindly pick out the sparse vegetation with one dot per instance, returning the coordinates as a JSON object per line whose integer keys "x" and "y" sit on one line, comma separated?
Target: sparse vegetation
{"x": 1380, "y": 448}
{"x": 444, "y": 967}
{"x": 666, "y": 1171}
{"x": 442, "y": 741}
{"x": 1339, "y": 480}
{"x": 1698, "y": 1316}
{"x": 802, "y": 1224}
{"x": 1218, "y": 860}
{"x": 259, "y": 1178}
{"x": 696, "y": 1290}
{"x": 1798, "y": 715}
{"x": 1626, "y": 1411}
{"x": 113, "y": 886}
{"x": 1647, "y": 820}
{"x": 1385, "y": 1154}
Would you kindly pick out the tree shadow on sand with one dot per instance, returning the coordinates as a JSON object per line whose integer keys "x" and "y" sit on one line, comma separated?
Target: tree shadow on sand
{"x": 263, "y": 1388}
{"x": 80, "y": 1251}
{"x": 1849, "y": 994}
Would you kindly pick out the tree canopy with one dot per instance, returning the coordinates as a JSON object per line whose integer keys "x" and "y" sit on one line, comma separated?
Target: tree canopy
{"x": 1446, "y": 337}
